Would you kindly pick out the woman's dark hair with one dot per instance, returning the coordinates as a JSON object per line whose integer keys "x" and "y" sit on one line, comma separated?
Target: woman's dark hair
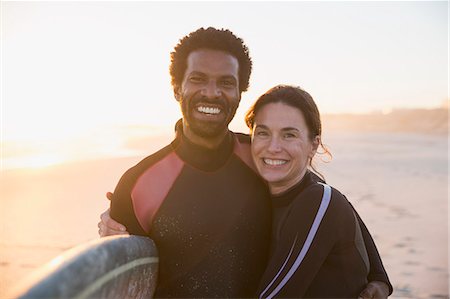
{"x": 297, "y": 98}
{"x": 214, "y": 39}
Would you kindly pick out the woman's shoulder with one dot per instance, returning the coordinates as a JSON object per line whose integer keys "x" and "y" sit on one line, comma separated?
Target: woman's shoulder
{"x": 340, "y": 207}
{"x": 319, "y": 192}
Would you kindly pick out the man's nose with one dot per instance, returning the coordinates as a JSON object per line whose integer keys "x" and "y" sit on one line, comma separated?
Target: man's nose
{"x": 211, "y": 90}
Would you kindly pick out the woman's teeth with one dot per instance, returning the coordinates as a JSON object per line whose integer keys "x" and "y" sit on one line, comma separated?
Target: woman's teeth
{"x": 274, "y": 162}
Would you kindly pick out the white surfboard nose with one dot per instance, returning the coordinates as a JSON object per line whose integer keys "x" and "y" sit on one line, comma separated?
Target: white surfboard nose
{"x": 110, "y": 267}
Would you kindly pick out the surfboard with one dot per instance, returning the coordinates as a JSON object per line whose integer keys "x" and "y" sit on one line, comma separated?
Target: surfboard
{"x": 110, "y": 267}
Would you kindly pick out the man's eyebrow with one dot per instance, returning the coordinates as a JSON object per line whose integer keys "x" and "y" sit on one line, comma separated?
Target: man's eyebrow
{"x": 198, "y": 73}
{"x": 228, "y": 77}
{"x": 222, "y": 77}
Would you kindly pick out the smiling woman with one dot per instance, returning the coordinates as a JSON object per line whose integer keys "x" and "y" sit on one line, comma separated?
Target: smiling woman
{"x": 286, "y": 133}
{"x": 282, "y": 146}
{"x": 320, "y": 247}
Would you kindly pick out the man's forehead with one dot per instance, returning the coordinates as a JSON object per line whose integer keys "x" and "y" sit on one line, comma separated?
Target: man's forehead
{"x": 208, "y": 60}
{"x": 210, "y": 51}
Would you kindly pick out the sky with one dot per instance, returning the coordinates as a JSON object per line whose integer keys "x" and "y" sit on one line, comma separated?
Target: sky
{"x": 74, "y": 73}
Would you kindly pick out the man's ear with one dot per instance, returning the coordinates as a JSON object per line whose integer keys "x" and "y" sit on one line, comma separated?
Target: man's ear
{"x": 177, "y": 94}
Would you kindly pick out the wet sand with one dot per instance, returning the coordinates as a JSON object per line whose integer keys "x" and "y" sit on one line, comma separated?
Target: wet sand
{"x": 398, "y": 183}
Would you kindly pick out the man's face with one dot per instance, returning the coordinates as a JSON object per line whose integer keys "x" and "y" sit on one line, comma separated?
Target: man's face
{"x": 209, "y": 93}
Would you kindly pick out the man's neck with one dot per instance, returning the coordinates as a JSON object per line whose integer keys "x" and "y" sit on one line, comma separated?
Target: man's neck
{"x": 207, "y": 142}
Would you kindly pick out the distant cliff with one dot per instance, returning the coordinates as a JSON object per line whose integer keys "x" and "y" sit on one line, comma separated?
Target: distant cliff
{"x": 432, "y": 121}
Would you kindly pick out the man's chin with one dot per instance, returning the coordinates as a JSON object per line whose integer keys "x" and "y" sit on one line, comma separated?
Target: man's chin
{"x": 209, "y": 132}
{"x": 208, "y": 129}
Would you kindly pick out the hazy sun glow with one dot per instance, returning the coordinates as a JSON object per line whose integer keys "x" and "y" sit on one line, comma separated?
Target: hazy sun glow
{"x": 39, "y": 161}
{"x": 74, "y": 72}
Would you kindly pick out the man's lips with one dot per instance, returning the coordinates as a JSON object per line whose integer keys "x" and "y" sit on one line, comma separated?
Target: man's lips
{"x": 208, "y": 110}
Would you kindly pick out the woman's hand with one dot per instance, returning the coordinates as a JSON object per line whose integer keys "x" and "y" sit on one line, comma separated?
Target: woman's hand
{"x": 375, "y": 290}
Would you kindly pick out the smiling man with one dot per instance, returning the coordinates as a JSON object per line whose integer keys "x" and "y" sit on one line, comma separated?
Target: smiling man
{"x": 209, "y": 96}
{"x": 198, "y": 198}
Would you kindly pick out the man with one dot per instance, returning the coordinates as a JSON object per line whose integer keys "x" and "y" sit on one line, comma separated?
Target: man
{"x": 199, "y": 198}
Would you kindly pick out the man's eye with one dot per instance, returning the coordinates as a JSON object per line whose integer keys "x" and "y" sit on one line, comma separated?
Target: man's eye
{"x": 196, "y": 79}
{"x": 228, "y": 83}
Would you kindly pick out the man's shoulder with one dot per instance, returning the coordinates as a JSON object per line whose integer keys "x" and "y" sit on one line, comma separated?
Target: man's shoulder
{"x": 242, "y": 149}
{"x": 242, "y": 138}
{"x": 150, "y": 160}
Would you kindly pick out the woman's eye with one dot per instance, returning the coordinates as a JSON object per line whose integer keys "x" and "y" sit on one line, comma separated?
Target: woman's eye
{"x": 289, "y": 135}
{"x": 261, "y": 133}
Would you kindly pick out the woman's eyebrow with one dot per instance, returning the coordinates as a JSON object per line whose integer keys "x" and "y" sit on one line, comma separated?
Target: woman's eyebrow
{"x": 261, "y": 126}
{"x": 290, "y": 129}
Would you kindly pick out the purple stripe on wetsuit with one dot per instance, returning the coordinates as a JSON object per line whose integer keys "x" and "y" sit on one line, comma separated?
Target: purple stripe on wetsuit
{"x": 312, "y": 232}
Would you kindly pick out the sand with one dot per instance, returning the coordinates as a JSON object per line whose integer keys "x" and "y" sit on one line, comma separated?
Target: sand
{"x": 398, "y": 183}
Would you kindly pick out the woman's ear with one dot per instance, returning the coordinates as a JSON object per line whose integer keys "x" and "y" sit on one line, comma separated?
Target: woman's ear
{"x": 315, "y": 145}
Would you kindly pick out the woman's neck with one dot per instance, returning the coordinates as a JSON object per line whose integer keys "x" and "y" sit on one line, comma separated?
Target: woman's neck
{"x": 279, "y": 188}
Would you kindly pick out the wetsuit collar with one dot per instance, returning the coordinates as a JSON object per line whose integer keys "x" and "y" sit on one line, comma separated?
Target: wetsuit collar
{"x": 286, "y": 197}
{"x": 200, "y": 157}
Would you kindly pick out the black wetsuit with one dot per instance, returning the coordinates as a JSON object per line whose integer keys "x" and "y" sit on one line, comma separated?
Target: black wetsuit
{"x": 208, "y": 213}
{"x": 320, "y": 246}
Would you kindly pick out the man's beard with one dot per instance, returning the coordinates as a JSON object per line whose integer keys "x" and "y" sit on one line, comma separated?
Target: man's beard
{"x": 206, "y": 128}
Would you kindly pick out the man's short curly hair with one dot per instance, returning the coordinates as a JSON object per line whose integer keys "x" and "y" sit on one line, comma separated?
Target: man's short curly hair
{"x": 215, "y": 39}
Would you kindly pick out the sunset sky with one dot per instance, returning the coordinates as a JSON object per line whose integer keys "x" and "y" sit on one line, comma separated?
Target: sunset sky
{"x": 72, "y": 73}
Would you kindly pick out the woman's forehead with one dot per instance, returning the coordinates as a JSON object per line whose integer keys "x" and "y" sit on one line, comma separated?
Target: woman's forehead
{"x": 280, "y": 116}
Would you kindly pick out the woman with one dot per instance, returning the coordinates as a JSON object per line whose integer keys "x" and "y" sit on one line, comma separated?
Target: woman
{"x": 317, "y": 247}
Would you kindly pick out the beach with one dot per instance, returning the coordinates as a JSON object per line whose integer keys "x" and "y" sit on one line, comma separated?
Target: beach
{"x": 398, "y": 183}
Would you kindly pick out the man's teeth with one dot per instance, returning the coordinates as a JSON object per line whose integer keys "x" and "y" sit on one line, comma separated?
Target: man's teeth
{"x": 208, "y": 110}
{"x": 274, "y": 162}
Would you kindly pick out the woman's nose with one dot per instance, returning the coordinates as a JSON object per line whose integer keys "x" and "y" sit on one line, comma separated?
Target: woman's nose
{"x": 274, "y": 145}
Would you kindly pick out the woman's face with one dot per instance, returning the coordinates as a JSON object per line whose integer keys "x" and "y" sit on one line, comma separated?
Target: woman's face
{"x": 281, "y": 148}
